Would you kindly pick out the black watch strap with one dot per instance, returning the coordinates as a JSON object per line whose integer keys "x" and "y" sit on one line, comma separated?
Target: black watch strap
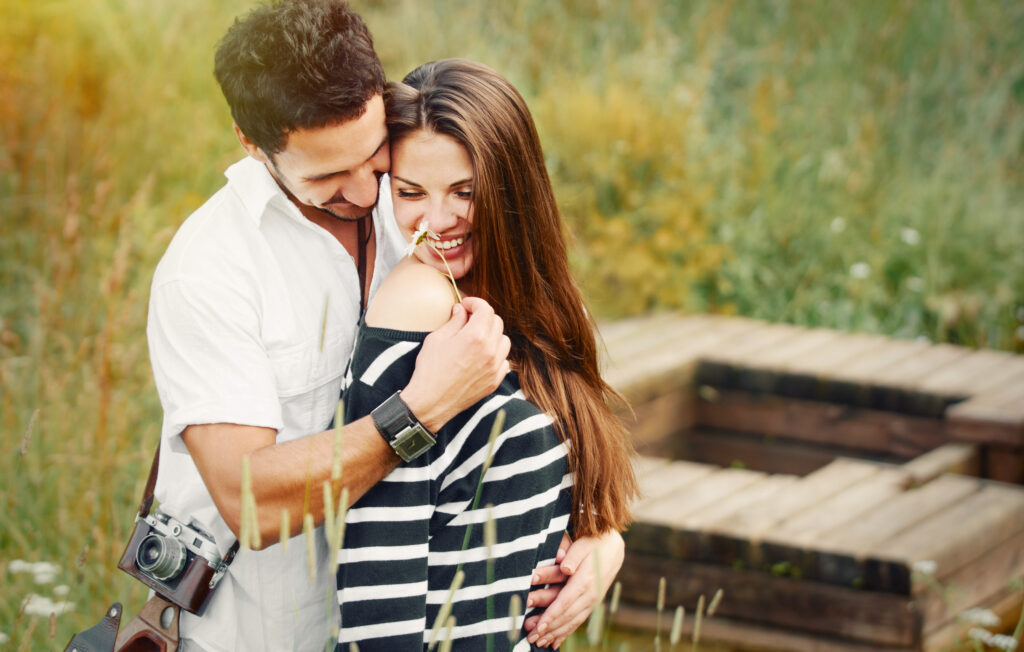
{"x": 401, "y": 429}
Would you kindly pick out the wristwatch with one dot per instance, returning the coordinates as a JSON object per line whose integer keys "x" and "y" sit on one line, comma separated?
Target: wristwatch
{"x": 401, "y": 429}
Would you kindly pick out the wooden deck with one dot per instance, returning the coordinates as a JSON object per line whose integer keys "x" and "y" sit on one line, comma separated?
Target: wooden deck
{"x": 806, "y": 472}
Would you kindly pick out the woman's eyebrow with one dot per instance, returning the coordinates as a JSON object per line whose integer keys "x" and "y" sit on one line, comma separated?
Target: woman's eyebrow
{"x": 404, "y": 180}
{"x": 456, "y": 184}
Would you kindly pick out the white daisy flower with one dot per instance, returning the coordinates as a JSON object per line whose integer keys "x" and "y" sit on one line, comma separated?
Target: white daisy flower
{"x": 421, "y": 234}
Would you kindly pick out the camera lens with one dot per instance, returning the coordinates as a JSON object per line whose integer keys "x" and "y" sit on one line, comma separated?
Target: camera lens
{"x": 161, "y": 557}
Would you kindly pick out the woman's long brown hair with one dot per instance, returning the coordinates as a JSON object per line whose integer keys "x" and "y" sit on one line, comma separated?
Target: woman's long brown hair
{"x": 521, "y": 268}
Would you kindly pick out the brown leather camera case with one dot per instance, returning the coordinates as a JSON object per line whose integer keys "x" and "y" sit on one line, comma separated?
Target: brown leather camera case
{"x": 193, "y": 588}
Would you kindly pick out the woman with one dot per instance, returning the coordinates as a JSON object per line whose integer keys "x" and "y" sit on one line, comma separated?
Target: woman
{"x": 471, "y": 192}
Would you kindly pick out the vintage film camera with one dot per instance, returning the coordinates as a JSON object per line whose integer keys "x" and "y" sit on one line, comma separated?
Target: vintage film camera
{"x": 178, "y": 561}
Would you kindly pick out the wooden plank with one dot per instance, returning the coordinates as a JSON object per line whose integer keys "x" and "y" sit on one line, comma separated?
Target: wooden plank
{"x": 626, "y": 340}
{"x": 869, "y": 369}
{"x": 956, "y": 457}
{"x": 763, "y": 374}
{"x": 1006, "y": 401}
{"x": 809, "y": 341}
{"x": 736, "y": 634}
{"x": 659, "y": 524}
{"x": 760, "y": 490}
{"x": 886, "y": 619}
{"x": 758, "y": 452}
{"x": 1004, "y": 464}
{"x": 827, "y": 359}
{"x": 724, "y": 364}
{"x": 711, "y": 490}
{"x": 763, "y": 338}
{"x": 803, "y": 529}
{"x": 792, "y": 548}
{"x": 655, "y": 424}
{"x": 963, "y": 377}
{"x": 821, "y": 423}
{"x": 912, "y": 371}
{"x": 960, "y": 532}
{"x": 980, "y": 420}
{"x": 753, "y": 521}
{"x": 860, "y": 536}
{"x": 670, "y": 477}
{"x": 633, "y": 330}
{"x": 644, "y": 376}
{"x": 972, "y": 584}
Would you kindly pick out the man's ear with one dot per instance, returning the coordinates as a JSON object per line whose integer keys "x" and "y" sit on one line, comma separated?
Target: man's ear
{"x": 250, "y": 147}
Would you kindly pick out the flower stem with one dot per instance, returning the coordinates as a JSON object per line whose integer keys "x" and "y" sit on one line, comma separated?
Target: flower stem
{"x": 451, "y": 277}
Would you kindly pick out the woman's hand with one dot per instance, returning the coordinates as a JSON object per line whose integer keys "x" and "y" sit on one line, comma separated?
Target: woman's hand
{"x": 587, "y": 567}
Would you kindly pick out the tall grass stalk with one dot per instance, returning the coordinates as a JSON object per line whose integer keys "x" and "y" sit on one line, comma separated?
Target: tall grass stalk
{"x": 698, "y": 618}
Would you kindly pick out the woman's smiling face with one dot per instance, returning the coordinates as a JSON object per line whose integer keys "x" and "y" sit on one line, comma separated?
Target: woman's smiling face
{"x": 432, "y": 183}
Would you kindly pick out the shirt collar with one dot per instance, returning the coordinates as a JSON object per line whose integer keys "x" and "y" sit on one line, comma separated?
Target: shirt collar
{"x": 255, "y": 186}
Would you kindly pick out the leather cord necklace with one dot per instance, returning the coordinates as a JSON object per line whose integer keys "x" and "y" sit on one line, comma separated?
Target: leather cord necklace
{"x": 363, "y": 238}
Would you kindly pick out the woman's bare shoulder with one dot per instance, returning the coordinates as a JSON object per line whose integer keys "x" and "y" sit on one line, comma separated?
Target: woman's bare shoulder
{"x": 413, "y": 297}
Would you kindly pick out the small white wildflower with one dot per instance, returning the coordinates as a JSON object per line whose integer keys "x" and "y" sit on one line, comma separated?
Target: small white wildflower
{"x": 45, "y": 567}
{"x": 19, "y": 566}
{"x": 838, "y": 224}
{"x": 45, "y": 578}
{"x": 4, "y": 638}
{"x": 979, "y": 616}
{"x": 925, "y": 567}
{"x": 36, "y": 605}
{"x": 910, "y": 236}
{"x": 860, "y": 270}
{"x": 833, "y": 167}
{"x": 1003, "y": 642}
{"x": 45, "y": 572}
{"x": 915, "y": 284}
{"x": 61, "y": 590}
{"x": 979, "y": 634}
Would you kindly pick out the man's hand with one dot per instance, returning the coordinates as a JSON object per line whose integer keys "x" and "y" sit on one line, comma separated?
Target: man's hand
{"x": 588, "y": 567}
{"x": 459, "y": 364}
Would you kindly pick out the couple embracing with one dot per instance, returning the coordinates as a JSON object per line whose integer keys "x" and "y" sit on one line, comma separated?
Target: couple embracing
{"x": 401, "y": 240}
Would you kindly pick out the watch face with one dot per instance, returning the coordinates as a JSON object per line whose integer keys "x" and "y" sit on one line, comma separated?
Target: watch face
{"x": 412, "y": 442}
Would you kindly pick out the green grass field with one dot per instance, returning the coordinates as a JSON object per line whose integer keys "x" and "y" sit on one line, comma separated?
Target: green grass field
{"x": 851, "y": 165}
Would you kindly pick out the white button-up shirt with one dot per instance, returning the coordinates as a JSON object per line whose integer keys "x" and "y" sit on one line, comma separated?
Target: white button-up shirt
{"x": 252, "y": 318}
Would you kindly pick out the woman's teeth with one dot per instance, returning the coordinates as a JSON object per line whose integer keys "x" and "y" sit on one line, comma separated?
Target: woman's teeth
{"x": 448, "y": 244}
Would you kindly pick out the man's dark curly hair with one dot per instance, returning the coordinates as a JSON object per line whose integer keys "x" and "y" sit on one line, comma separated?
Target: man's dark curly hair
{"x": 296, "y": 64}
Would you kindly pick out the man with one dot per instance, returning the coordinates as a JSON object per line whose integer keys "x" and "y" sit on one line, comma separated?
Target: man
{"x": 253, "y": 314}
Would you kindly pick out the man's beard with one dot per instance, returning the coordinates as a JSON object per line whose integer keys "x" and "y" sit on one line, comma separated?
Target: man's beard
{"x": 346, "y": 218}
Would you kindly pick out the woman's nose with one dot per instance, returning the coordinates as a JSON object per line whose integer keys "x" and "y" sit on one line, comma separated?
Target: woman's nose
{"x": 440, "y": 217}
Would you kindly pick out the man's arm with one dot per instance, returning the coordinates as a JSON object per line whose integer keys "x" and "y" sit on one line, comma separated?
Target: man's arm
{"x": 460, "y": 363}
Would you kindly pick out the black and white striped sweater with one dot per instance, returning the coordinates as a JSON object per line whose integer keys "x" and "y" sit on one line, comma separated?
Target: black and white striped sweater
{"x": 404, "y": 538}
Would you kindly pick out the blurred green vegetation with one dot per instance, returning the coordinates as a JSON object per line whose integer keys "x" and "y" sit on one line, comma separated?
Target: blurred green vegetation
{"x": 851, "y": 165}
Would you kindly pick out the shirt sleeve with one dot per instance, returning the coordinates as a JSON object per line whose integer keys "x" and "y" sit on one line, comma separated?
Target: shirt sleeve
{"x": 209, "y": 361}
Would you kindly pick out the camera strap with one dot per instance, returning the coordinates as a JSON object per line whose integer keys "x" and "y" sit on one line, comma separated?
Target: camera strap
{"x": 147, "y": 493}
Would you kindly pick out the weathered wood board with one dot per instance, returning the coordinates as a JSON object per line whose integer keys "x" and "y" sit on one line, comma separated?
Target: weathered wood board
{"x": 813, "y": 546}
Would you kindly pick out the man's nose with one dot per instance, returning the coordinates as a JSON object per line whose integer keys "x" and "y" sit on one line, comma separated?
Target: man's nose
{"x": 363, "y": 187}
